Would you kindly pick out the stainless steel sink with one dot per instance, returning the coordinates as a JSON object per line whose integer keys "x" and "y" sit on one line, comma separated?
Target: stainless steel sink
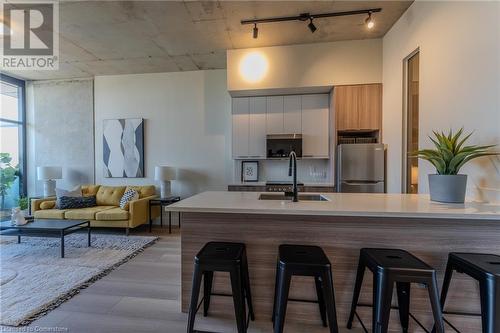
{"x": 302, "y": 197}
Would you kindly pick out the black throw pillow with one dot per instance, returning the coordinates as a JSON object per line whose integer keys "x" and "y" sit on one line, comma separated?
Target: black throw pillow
{"x": 77, "y": 202}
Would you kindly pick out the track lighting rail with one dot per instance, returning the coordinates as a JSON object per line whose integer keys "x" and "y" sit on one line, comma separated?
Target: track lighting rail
{"x": 308, "y": 16}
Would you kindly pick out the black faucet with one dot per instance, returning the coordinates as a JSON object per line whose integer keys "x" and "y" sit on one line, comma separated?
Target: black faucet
{"x": 293, "y": 161}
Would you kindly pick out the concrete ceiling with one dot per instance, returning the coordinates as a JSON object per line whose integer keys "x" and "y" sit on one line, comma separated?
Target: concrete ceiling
{"x": 124, "y": 37}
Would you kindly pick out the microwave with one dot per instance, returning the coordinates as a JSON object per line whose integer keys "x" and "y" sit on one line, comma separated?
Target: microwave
{"x": 281, "y": 145}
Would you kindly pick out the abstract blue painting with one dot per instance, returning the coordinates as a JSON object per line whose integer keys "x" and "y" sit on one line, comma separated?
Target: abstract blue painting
{"x": 123, "y": 148}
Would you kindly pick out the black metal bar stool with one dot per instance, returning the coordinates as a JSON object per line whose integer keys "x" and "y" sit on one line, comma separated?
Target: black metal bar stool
{"x": 391, "y": 266}
{"x": 301, "y": 260}
{"x": 485, "y": 268}
{"x": 222, "y": 257}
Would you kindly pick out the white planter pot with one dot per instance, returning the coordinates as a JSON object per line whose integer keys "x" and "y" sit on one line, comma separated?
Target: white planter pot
{"x": 448, "y": 188}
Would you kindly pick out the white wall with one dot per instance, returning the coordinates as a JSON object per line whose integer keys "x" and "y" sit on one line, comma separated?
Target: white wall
{"x": 60, "y": 131}
{"x": 459, "y": 83}
{"x": 187, "y": 125}
{"x": 311, "y": 65}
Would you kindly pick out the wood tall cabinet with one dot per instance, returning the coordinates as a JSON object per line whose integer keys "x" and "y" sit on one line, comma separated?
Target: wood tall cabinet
{"x": 358, "y": 107}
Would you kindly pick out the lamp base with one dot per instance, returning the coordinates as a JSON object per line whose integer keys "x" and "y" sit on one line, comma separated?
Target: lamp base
{"x": 165, "y": 191}
{"x": 49, "y": 188}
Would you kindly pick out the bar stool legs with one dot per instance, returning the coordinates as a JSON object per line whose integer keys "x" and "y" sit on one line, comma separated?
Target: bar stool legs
{"x": 389, "y": 267}
{"x": 485, "y": 268}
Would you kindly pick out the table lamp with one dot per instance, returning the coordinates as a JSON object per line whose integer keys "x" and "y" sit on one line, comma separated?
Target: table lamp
{"x": 49, "y": 174}
{"x": 165, "y": 174}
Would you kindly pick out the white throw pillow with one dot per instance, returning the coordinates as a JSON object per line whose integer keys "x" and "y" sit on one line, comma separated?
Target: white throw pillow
{"x": 128, "y": 196}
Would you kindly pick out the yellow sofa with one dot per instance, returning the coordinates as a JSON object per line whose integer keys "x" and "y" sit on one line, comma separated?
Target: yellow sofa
{"x": 107, "y": 213}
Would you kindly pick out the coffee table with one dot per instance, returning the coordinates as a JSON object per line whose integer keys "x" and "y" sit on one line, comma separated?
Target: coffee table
{"x": 45, "y": 228}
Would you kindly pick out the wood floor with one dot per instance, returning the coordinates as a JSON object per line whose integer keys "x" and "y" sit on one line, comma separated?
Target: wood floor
{"x": 143, "y": 295}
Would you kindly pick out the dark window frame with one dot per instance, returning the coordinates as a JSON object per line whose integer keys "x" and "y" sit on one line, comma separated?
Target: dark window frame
{"x": 21, "y": 84}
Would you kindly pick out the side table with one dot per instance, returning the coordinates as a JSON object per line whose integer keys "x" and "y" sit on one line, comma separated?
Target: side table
{"x": 163, "y": 202}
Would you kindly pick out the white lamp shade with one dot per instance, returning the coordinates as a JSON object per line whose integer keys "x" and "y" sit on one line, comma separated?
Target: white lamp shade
{"x": 49, "y": 172}
{"x": 165, "y": 173}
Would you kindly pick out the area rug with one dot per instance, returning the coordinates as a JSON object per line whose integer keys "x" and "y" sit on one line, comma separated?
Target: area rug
{"x": 34, "y": 278}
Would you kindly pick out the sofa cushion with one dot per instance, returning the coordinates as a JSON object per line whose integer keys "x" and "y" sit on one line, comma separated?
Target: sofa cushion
{"x": 144, "y": 191}
{"x": 50, "y": 214}
{"x": 89, "y": 190}
{"x": 85, "y": 213}
{"x": 74, "y": 193}
{"x": 114, "y": 214}
{"x": 110, "y": 195}
{"x": 48, "y": 204}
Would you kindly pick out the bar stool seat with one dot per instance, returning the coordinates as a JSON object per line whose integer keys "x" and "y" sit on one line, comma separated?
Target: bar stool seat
{"x": 485, "y": 268}
{"x": 222, "y": 257}
{"x": 391, "y": 266}
{"x": 304, "y": 260}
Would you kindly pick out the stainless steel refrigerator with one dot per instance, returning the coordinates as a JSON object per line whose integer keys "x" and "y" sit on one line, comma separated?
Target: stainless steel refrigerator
{"x": 361, "y": 168}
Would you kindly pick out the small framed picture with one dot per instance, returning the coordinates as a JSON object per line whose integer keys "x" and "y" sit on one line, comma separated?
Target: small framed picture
{"x": 250, "y": 171}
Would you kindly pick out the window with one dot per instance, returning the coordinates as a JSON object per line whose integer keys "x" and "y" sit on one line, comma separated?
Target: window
{"x": 411, "y": 125}
{"x": 12, "y": 143}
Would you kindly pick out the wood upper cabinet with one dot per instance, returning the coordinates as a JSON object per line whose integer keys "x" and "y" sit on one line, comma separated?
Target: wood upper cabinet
{"x": 358, "y": 107}
{"x": 315, "y": 128}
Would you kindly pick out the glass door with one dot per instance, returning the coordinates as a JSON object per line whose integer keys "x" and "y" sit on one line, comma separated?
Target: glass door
{"x": 412, "y": 126}
{"x": 12, "y": 143}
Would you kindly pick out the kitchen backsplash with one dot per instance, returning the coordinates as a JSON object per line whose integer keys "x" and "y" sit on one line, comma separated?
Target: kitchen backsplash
{"x": 308, "y": 171}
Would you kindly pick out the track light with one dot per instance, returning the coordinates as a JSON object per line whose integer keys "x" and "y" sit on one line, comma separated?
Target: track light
{"x": 255, "y": 31}
{"x": 311, "y": 25}
{"x": 369, "y": 21}
{"x": 303, "y": 17}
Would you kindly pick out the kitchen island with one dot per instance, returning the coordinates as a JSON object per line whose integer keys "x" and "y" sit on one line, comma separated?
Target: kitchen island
{"x": 341, "y": 225}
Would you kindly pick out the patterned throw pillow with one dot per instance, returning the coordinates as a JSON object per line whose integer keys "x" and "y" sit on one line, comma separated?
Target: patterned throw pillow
{"x": 75, "y": 193}
{"x": 128, "y": 196}
{"x": 77, "y": 202}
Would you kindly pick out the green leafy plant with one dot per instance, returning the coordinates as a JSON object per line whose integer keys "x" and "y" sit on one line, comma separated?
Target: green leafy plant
{"x": 23, "y": 203}
{"x": 8, "y": 174}
{"x": 451, "y": 153}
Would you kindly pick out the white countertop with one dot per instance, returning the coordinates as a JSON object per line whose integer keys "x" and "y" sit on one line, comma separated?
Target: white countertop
{"x": 264, "y": 184}
{"x": 340, "y": 204}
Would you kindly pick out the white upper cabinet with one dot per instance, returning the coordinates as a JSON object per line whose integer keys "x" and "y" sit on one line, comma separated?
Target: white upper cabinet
{"x": 274, "y": 116}
{"x": 292, "y": 114}
{"x": 255, "y": 117}
{"x": 241, "y": 120}
{"x": 315, "y": 126}
{"x": 257, "y": 128}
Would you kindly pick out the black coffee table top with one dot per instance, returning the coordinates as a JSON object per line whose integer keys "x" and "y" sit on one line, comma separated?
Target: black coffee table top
{"x": 43, "y": 224}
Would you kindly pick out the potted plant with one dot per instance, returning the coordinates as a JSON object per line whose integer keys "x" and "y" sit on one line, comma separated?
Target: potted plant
{"x": 449, "y": 156}
{"x": 23, "y": 203}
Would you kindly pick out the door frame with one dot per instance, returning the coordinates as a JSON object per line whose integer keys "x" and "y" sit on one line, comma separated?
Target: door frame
{"x": 404, "y": 137}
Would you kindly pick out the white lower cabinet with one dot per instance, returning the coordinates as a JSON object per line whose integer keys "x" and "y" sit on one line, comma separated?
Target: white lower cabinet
{"x": 315, "y": 126}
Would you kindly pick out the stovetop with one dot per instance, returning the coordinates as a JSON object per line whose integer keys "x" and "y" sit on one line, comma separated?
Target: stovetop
{"x": 282, "y": 183}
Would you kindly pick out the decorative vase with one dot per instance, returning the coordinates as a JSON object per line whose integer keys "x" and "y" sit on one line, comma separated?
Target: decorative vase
{"x": 448, "y": 188}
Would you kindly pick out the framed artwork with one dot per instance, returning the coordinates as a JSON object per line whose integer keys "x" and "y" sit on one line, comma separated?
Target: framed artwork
{"x": 250, "y": 171}
{"x": 123, "y": 148}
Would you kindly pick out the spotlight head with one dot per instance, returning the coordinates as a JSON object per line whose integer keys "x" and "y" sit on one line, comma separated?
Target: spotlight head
{"x": 311, "y": 26}
{"x": 255, "y": 31}
{"x": 369, "y": 21}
